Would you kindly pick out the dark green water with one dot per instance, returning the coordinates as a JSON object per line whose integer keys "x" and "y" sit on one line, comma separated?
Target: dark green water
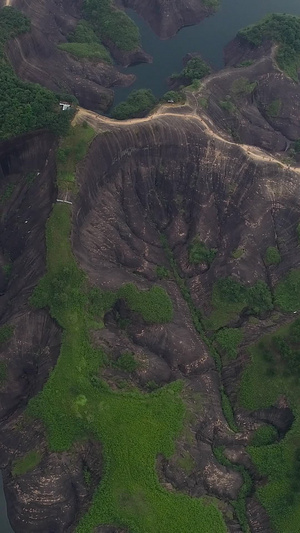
{"x": 209, "y": 38}
{"x": 5, "y": 526}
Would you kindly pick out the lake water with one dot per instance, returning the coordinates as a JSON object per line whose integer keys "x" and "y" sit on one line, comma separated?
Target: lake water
{"x": 209, "y": 38}
{"x": 5, "y": 526}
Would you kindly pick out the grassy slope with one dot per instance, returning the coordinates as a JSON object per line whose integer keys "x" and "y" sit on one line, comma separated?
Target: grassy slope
{"x": 259, "y": 388}
{"x": 133, "y": 427}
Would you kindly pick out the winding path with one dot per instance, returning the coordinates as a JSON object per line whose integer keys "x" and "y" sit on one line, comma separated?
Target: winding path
{"x": 189, "y": 112}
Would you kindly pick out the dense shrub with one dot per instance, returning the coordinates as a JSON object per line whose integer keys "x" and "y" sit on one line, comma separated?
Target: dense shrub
{"x": 264, "y": 435}
{"x": 272, "y": 256}
{"x": 138, "y": 104}
{"x": 229, "y": 339}
{"x": 273, "y": 109}
{"x": 287, "y": 292}
{"x": 112, "y": 25}
{"x": 126, "y": 362}
{"x": 6, "y": 333}
{"x": 27, "y": 463}
{"x": 200, "y": 253}
{"x": 284, "y": 30}
{"x": 195, "y": 69}
{"x": 154, "y": 305}
{"x": 25, "y": 106}
{"x": 176, "y": 96}
{"x": 242, "y": 87}
{"x": 162, "y": 272}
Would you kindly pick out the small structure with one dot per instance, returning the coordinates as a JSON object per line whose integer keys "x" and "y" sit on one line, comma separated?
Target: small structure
{"x": 170, "y": 101}
{"x": 64, "y": 105}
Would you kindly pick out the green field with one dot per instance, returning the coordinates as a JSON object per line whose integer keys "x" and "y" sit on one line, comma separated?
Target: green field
{"x": 273, "y": 373}
{"x": 133, "y": 427}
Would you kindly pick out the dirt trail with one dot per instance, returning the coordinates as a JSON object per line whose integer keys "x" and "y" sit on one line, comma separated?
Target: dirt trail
{"x": 100, "y": 123}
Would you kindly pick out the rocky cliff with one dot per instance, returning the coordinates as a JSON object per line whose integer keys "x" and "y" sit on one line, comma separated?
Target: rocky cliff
{"x": 182, "y": 174}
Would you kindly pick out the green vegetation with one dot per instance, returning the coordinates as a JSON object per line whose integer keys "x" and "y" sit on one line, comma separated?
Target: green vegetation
{"x": 229, "y": 339}
{"x": 76, "y": 402}
{"x": 112, "y": 25}
{"x": 73, "y": 149}
{"x": 24, "y": 106}
{"x": 230, "y": 297}
{"x": 27, "y": 463}
{"x": 162, "y": 272}
{"x": 242, "y": 87}
{"x": 126, "y": 362}
{"x": 296, "y": 146}
{"x": 228, "y": 105}
{"x": 264, "y": 435}
{"x": 273, "y": 373}
{"x": 86, "y": 50}
{"x": 287, "y": 292}
{"x": 6, "y": 333}
{"x": 200, "y": 253}
{"x": 214, "y": 4}
{"x": 178, "y": 97}
{"x": 272, "y": 256}
{"x": 195, "y": 69}
{"x": 87, "y": 476}
{"x": 83, "y": 42}
{"x": 238, "y": 253}
{"x": 239, "y": 504}
{"x": 9, "y": 189}
{"x": 3, "y": 373}
{"x": 246, "y": 63}
{"x": 273, "y": 109}
{"x": 186, "y": 462}
{"x": 154, "y": 305}
{"x": 138, "y": 104}
{"x": 284, "y": 30}
{"x": 203, "y": 102}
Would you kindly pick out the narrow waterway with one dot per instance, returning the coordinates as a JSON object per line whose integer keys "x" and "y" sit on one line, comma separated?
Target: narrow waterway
{"x": 209, "y": 38}
{"x": 5, "y": 526}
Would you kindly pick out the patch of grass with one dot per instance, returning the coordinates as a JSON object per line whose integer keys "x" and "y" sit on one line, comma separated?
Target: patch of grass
{"x": 27, "y": 463}
{"x": 186, "y": 462}
{"x": 267, "y": 378}
{"x": 273, "y": 109}
{"x": 203, "y": 102}
{"x": 242, "y": 87}
{"x": 87, "y": 476}
{"x": 73, "y": 149}
{"x": 229, "y": 339}
{"x": 287, "y": 292}
{"x": 162, "y": 272}
{"x": 200, "y": 253}
{"x": 246, "y": 63}
{"x": 126, "y": 362}
{"x": 272, "y": 256}
{"x": 3, "y": 373}
{"x": 9, "y": 189}
{"x": 227, "y": 105}
{"x": 94, "y": 51}
{"x": 214, "y": 4}
{"x": 264, "y": 435}
{"x": 6, "y": 333}
{"x": 154, "y": 305}
{"x": 238, "y": 253}
{"x": 230, "y": 297}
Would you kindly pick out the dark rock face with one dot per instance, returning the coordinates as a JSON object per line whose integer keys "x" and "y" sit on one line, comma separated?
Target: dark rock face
{"x": 165, "y": 17}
